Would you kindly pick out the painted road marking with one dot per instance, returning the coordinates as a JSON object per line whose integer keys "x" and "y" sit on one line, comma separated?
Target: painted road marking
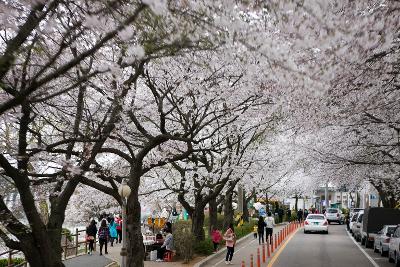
{"x": 279, "y": 251}
{"x": 363, "y": 251}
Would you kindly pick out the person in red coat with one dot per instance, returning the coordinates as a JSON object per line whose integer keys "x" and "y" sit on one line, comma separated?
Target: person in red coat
{"x": 118, "y": 222}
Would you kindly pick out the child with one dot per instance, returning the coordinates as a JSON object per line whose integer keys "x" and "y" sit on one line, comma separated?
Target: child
{"x": 216, "y": 238}
{"x": 255, "y": 229}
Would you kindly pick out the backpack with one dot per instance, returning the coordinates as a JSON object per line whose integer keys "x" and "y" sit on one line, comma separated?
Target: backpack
{"x": 103, "y": 232}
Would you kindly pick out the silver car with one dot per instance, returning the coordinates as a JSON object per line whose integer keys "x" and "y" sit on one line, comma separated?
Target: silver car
{"x": 353, "y": 220}
{"x": 357, "y": 226}
{"x": 382, "y": 239}
{"x": 394, "y": 247}
{"x": 334, "y": 215}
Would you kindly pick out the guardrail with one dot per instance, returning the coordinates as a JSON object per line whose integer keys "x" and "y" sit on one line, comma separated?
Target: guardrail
{"x": 71, "y": 248}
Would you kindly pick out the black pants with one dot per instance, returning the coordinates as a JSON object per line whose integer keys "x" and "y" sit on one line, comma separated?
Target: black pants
{"x": 112, "y": 241}
{"x": 268, "y": 232}
{"x": 91, "y": 246}
{"x": 260, "y": 237}
{"x": 103, "y": 242}
{"x": 161, "y": 252}
{"x": 119, "y": 232}
{"x": 215, "y": 246}
{"x": 229, "y": 253}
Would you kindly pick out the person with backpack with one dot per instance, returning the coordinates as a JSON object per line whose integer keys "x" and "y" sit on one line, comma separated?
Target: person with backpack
{"x": 91, "y": 231}
{"x": 113, "y": 231}
{"x": 230, "y": 240}
{"x": 104, "y": 232}
{"x": 269, "y": 228}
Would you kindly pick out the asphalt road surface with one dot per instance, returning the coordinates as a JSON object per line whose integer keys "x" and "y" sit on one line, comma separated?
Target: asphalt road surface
{"x": 334, "y": 249}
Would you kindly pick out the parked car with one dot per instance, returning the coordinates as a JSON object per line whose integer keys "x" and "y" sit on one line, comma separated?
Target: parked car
{"x": 355, "y": 210}
{"x": 394, "y": 247}
{"x": 353, "y": 219}
{"x": 382, "y": 239}
{"x": 316, "y": 223}
{"x": 357, "y": 226}
{"x": 373, "y": 221}
{"x": 334, "y": 215}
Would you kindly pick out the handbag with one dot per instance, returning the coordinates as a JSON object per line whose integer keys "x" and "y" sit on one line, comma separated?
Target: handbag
{"x": 89, "y": 238}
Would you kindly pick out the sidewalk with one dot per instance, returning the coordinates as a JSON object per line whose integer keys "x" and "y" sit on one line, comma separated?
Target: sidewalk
{"x": 114, "y": 255}
{"x": 242, "y": 251}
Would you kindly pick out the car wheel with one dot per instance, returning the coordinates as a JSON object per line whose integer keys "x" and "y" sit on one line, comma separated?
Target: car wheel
{"x": 382, "y": 252}
{"x": 362, "y": 241}
{"x": 368, "y": 244}
{"x": 305, "y": 232}
{"x": 375, "y": 249}
{"x": 326, "y": 232}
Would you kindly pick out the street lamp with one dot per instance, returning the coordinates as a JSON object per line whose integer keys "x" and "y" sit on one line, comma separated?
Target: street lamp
{"x": 124, "y": 191}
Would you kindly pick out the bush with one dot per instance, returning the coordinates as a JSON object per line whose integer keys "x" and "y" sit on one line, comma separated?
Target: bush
{"x": 67, "y": 234}
{"x": 4, "y": 262}
{"x": 183, "y": 240}
{"x": 203, "y": 247}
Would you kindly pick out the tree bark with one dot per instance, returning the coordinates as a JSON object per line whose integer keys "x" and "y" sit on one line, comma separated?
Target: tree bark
{"x": 213, "y": 214}
{"x": 228, "y": 209}
{"x": 134, "y": 239}
{"x": 198, "y": 220}
{"x": 296, "y": 197}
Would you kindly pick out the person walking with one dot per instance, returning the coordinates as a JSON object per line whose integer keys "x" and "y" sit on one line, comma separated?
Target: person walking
{"x": 305, "y": 213}
{"x": 118, "y": 222}
{"x": 269, "y": 228}
{"x": 300, "y": 215}
{"x": 289, "y": 215}
{"x": 91, "y": 231}
{"x": 280, "y": 214}
{"x": 113, "y": 231}
{"x": 230, "y": 239}
{"x": 260, "y": 229}
{"x": 216, "y": 238}
{"x": 104, "y": 232}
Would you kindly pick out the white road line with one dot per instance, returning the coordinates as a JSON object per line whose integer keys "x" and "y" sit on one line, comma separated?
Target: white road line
{"x": 363, "y": 251}
{"x": 236, "y": 251}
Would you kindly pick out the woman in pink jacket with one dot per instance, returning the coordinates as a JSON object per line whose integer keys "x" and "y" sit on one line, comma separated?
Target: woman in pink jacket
{"x": 216, "y": 238}
{"x": 230, "y": 239}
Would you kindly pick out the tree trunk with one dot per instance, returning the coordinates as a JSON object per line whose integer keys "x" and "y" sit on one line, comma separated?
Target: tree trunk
{"x": 228, "y": 209}
{"x": 246, "y": 214}
{"x": 198, "y": 223}
{"x": 213, "y": 213}
{"x": 296, "y": 202}
{"x": 134, "y": 239}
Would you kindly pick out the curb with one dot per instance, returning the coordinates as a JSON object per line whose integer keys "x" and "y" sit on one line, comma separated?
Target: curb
{"x": 203, "y": 262}
{"x": 112, "y": 264}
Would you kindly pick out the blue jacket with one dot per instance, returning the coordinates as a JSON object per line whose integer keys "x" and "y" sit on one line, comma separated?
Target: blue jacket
{"x": 113, "y": 229}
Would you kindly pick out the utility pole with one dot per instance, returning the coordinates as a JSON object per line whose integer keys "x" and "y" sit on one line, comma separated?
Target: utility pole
{"x": 326, "y": 196}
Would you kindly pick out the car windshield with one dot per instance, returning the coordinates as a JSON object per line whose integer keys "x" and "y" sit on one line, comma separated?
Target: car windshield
{"x": 360, "y": 218}
{"x": 315, "y": 217}
{"x": 332, "y": 211}
{"x": 354, "y": 218}
{"x": 391, "y": 230}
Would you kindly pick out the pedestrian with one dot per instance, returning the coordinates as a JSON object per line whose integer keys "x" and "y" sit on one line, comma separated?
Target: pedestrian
{"x": 255, "y": 229}
{"x": 230, "y": 239}
{"x": 216, "y": 238}
{"x": 348, "y": 222}
{"x": 269, "y": 228}
{"x": 300, "y": 215}
{"x": 104, "y": 232}
{"x": 91, "y": 231}
{"x": 118, "y": 226}
{"x": 167, "y": 246}
{"x": 113, "y": 231}
{"x": 280, "y": 214}
{"x": 260, "y": 229}
{"x": 305, "y": 213}
{"x": 289, "y": 215}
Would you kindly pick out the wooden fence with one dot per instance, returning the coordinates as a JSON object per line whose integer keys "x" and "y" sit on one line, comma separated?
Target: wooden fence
{"x": 72, "y": 245}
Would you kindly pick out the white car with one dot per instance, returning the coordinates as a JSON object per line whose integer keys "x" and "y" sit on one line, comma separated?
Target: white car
{"x": 334, "y": 215}
{"x": 394, "y": 247}
{"x": 357, "y": 226}
{"x": 382, "y": 239}
{"x": 316, "y": 223}
{"x": 353, "y": 220}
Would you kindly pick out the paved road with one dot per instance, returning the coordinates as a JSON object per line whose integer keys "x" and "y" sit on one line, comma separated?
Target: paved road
{"x": 334, "y": 249}
{"x": 94, "y": 260}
